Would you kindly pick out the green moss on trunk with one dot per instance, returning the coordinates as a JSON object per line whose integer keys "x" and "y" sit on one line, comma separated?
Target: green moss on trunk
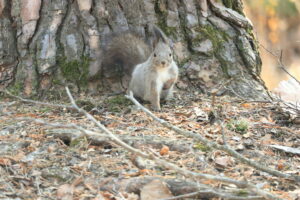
{"x": 75, "y": 71}
{"x": 218, "y": 38}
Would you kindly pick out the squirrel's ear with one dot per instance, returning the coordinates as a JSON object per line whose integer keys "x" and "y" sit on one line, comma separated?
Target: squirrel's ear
{"x": 171, "y": 44}
{"x": 159, "y": 35}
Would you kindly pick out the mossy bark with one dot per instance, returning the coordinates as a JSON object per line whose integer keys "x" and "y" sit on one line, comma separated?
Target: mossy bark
{"x": 49, "y": 43}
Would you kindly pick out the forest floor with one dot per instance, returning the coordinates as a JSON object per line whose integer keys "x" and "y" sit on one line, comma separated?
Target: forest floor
{"x": 38, "y": 161}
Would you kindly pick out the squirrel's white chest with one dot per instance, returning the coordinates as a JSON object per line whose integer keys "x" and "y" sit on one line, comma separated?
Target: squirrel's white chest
{"x": 163, "y": 75}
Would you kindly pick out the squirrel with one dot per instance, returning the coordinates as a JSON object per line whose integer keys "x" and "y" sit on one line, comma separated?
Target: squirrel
{"x": 154, "y": 79}
{"x": 146, "y": 68}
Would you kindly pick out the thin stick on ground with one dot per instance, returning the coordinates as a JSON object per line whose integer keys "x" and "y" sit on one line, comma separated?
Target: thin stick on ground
{"x": 213, "y": 144}
{"x": 225, "y": 196}
{"x": 38, "y": 102}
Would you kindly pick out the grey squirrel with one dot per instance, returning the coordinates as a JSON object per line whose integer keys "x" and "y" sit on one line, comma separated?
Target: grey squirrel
{"x": 154, "y": 79}
{"x": 149, "y": 69}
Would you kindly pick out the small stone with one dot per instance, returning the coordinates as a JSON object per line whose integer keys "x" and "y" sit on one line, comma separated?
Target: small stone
{"x": 240, "y": 147}
{"x": 236, "y": 138}
{"x": 156, "y": 189}
{"x": 182, "y": 85}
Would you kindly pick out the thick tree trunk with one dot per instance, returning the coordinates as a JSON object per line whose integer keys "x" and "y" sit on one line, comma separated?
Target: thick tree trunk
{"x": 44, "y": 44}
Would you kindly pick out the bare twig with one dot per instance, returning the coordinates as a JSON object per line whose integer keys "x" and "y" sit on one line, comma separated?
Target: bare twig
{"x": 38, "y": 102}
{"x": 215, "y": 91}
{"x": 280, "y": 63}
{"x": 223, "y": 134}
{"x": 189, "y": 195}
{"x": 222, "y": 195}
{"x": 293, "y": 108}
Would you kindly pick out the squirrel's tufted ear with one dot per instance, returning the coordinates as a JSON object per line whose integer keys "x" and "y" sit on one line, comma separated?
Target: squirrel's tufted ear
{"x": 159, "y": 36}
{"x": 171, "y": 44}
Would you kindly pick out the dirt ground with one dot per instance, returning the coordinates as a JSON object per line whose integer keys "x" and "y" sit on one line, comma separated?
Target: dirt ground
{"x": 38, "y": 161}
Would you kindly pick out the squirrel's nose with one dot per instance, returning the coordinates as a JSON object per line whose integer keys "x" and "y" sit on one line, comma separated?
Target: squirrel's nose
{"x": 163, "y": 62}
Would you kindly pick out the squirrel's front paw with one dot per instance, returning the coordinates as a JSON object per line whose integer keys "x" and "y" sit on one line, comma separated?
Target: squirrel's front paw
{"x": 155, "y": 108}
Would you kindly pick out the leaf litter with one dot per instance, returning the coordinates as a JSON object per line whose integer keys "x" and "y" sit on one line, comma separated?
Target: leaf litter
{"x": 36, "y": 164}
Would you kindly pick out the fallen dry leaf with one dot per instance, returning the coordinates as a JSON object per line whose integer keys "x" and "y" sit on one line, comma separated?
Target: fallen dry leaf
{"x": 145, "y": 171}
{"x": 5, "y": 161}
{"x": 280, "y": 165}
{"x": 223, "y": 161}
{"x": 65, "y": 192}
{"x": 154, "y": 190}
{"x": 248, "y": 173}
{"x": 164, "y": 151}
{"x": 246, "y": 105}
{"x": 107, "y": 195}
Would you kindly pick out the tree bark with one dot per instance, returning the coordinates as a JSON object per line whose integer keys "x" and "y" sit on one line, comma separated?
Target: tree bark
{"x": 47, "y": 44}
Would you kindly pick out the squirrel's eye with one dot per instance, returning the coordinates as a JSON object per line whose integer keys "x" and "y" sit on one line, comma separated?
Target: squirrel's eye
{"x": 170, "y": 55}
{"x": 154, "y": 55}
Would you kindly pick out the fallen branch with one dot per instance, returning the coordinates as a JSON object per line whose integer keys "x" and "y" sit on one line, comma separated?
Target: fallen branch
{"x": 213, "y": 144}
{"x": 286, "y": 149}
{"x": 38, "y": 102}
{"x": 180, "y": 188}
{"x": 153, "y": 141}
{"x": 210, "y": 192}
{"x": 189, "y": 195}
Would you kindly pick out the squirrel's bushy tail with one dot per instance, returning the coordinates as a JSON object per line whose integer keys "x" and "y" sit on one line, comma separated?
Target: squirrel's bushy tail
{"x": 123, "y": 53}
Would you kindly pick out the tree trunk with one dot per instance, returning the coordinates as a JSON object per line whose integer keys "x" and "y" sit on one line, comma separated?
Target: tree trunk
{"x": 46, "y": 44}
